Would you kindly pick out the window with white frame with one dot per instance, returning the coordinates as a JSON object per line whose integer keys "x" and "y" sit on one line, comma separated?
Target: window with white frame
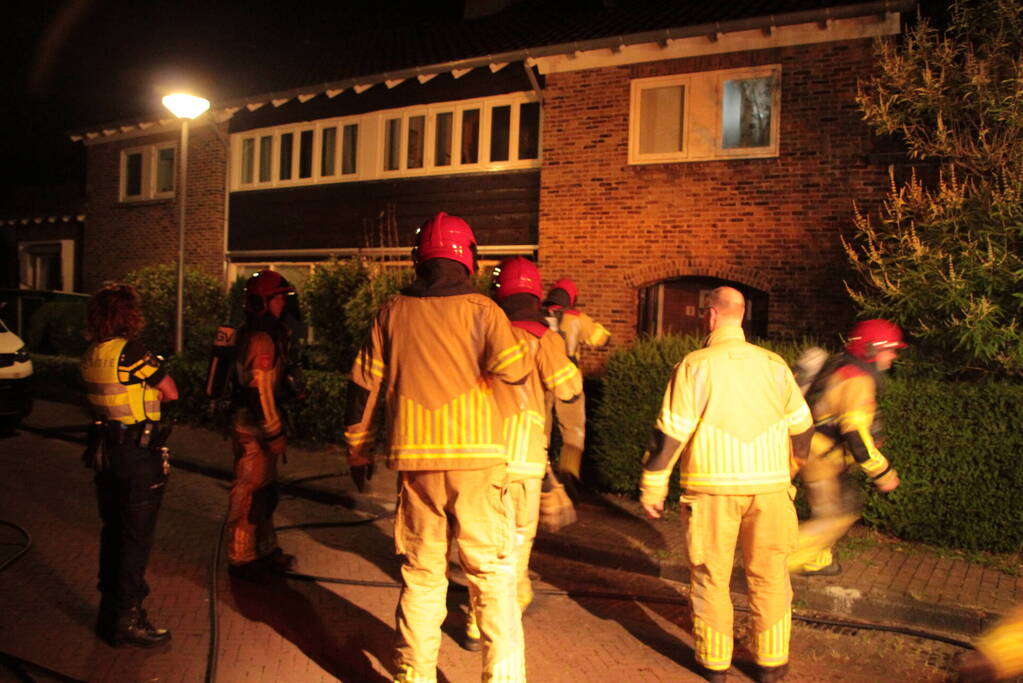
{"x": 709, "y": 115}
{"x": 148, "y": 172}
{"x": 488, "y": 134}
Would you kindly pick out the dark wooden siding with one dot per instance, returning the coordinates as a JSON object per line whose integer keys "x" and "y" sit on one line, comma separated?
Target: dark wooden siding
{"x": 502, "y": 208}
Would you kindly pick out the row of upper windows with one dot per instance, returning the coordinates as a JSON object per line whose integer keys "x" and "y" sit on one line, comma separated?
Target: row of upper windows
{"x": 725, "y": 114}
{"x": 455, "y": 137}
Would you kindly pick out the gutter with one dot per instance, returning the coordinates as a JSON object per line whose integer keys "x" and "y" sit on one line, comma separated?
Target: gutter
{"x": 528, "y": 55}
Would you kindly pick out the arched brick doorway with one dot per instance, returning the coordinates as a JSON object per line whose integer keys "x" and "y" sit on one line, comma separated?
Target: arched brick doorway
{"x": 672, "y": 306}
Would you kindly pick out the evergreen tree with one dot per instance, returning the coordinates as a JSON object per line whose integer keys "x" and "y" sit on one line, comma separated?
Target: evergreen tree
{"x": 942, "y": 258}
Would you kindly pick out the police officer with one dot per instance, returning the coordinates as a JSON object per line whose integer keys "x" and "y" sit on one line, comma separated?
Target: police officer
{"x": 577, "y": 329}
{"x": 125, "y": 385}
{"x": 843, "y": 398}
{"x": 257, "y": 427}
{"x": 435, "y": 350}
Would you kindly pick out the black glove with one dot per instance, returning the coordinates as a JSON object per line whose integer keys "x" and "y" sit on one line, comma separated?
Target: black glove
{"x": 361, "y": 474}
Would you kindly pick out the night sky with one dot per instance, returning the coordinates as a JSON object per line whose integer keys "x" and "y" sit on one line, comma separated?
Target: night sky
{"x": 72, "y": 63}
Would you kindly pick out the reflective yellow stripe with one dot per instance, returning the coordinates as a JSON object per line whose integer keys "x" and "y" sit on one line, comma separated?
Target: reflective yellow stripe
{"x": 713, "y": 649}
{"x": 772, "y": 646}
{"x": 510, "y": 355}
{"x": 561, "y": 376}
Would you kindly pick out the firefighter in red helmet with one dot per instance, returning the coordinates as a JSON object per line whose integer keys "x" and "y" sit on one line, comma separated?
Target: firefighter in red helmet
{"x": 435, "y": 351}
{"x": 257, "y": 427}
{"x": 518, "y": 291}
{"x": 843, "y": 399}
{"x": 577, "y": 329}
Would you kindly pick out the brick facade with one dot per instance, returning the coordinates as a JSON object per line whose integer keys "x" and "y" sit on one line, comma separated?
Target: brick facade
{"x": 123, "y": 236}
{"x": 773, "y": 224}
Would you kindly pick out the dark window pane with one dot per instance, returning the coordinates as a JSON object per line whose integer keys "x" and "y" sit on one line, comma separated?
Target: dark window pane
{"x": 529, "y": 130}
{"x": 266, "y": 158}
{"x": 327, "y": 151}
{"x": 133, "y": 174}
{"x": 305, "y": 154}
{"x": 248, "y": 159}
{"x": 442, "y": 145}
{"x": 165, "y": 170}
{"x": 416, "y": 135}
{"x": 500, "y": 131}
{"x": 470, "y": 136}
{"x": 392, "y": 153}
{"x": 351, "y": 144}
{"x": 287, "y": 144}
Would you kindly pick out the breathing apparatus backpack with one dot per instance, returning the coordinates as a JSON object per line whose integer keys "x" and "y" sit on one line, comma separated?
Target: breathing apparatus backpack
{"x": 222, "y": 359}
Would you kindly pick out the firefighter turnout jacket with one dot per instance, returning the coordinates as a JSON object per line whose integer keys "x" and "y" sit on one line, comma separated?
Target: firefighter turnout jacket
{"x": 577, "y": 329}
{"x": 120, "y": 381}
{"x": 259, "y": 372}
{"x": 845, "y": 418}
{"x": 732, "y": 408}
{"x": 441, "y": 410}
{"x": 551, "y": 371}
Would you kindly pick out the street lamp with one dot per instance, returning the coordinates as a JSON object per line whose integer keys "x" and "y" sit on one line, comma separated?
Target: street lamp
{"x": 185, "y": 107}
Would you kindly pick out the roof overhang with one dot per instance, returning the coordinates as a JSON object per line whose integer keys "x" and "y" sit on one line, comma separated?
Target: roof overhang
{"x": 844, "y": 22}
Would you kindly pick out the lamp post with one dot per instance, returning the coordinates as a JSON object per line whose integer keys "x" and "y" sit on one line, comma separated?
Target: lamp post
{"x": 185, "y": 107}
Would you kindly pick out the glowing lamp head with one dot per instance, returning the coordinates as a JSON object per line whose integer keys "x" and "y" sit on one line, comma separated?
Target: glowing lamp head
{"x": 185, "y": 106}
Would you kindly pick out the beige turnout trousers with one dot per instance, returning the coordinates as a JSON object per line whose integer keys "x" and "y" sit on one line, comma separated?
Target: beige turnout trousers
{"x": 480, "y": 510}
{"x": 766, "y": 526}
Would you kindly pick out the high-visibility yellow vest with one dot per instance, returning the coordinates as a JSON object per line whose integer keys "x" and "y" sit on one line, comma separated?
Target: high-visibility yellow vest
{"x": 108, "y": 395}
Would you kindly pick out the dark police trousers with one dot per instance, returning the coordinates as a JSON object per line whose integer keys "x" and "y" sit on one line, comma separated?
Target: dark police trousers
{"x": 129, "y": 492}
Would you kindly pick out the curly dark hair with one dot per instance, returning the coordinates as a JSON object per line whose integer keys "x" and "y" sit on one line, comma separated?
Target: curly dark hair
{"x": 114, "y": 311}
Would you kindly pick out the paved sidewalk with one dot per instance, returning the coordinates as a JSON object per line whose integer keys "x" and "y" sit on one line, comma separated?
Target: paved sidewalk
{"x": 320, "y": 631}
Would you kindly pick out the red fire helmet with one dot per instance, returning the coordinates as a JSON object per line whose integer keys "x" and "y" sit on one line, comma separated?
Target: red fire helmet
{"x": 263, "y": 286}
{"x": 517, "y": 275}
{"x": 570, "y": 289}
{"x": 445, "y": 236}
{"x": 870, "y": 336}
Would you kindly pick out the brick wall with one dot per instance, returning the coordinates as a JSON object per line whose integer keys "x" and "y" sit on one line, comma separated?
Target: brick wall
{"x": 773, "y": 224}
{"x": 120, "y": 237}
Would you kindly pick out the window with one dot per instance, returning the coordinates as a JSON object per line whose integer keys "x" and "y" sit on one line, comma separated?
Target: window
{"x": 500, "y": 132}
{"x": 328, "y": 143}
{"x": 351, "y": 145}
{"x": 148, "y": 172}
{"x": 47, "y": 265}
{"x": 703, "y": 116}
{"x": 674, "y": 307}
{"x": 442, "y": 148}
{"x": 468, "y": 136}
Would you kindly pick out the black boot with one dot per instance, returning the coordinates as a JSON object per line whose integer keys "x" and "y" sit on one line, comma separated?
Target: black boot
{"x": 134, "y": 630}
{"x": 106, "y": 619}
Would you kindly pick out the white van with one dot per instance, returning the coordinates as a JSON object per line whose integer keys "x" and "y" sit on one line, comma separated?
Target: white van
{"x": 15, "y": 380}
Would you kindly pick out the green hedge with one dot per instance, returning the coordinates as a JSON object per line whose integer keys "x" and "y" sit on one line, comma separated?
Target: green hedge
{"x": 955, "y": 445}
{"x": 957, "y": 449}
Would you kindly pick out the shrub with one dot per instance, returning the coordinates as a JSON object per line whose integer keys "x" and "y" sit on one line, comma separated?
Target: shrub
{"x": 58, "y": 328}
{"x": 365, "y": 303}
{"x": 57, "y": 378}
{"x": 632, "y": 392}
{"x": 325, "y": 297}
{"x": 945, "y": 259}
{"x": 956, "y": 447}
{"x": 203, "y": 301}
